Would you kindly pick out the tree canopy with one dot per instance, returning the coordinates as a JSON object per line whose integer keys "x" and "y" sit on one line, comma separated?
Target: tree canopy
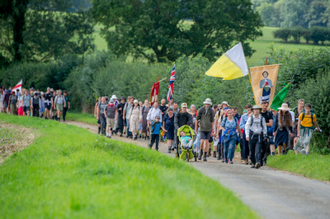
{"x": 160, "y": 30}
{"x": 42, "y": 30}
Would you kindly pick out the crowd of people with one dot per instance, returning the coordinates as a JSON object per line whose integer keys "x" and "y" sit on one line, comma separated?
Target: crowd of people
{"x": 51, "y": 104}
{"x": 258, "y": 131}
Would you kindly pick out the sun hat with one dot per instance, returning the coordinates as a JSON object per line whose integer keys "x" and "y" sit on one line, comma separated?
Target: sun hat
{"x": 256, "y": 107}
{"x": 284, "y": 107}
{"x": 208, "y": 101}
{"x": 136, "y": 101}
{"x": 114, "y": 97}
{"x": 224, "y": 102}
{"x": 184, "y": 105}
{"x": 111, "y": 100}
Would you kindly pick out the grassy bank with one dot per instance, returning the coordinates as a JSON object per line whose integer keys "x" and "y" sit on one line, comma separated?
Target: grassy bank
{"x": 68, "y": 172}
{"x": 313, "y": 166}
{"x": 81, "y": 117}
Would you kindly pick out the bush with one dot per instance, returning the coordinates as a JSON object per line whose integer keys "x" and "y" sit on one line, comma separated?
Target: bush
{"x": 284, "y": 34}
{"x": 297, "y": 34}
{"x": 306, "y": 34}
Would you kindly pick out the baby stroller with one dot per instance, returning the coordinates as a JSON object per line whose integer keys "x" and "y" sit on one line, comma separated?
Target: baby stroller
{"x": 186, "y": 152}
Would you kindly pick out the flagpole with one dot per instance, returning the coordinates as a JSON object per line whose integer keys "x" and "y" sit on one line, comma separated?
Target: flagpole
{"x": 162, "y": 79}
{"x": 252, "y": 89}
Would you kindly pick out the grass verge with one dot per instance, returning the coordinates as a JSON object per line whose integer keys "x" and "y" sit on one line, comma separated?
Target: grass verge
{"x": 81, "y": 117}
{"x": 68, "y": 172}
{"x": 313, "y": 166}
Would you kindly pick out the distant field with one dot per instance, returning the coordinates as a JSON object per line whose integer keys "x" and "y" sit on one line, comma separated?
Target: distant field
{"x": 261, "y": 45}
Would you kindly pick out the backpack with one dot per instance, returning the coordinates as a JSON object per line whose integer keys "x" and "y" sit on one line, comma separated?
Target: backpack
{"x": 209, "y": 112}
{"x": 225, "y": 120}
{"x": 108, "y": 111}
{"x": 181, "y": 116}
{"x": 262, "y": 126}
{"x": 312, "y": 115}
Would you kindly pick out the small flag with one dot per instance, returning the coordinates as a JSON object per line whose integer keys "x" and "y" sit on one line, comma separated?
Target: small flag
{"x": 280, "y": 97}
{"x": 18, "y": 86}
{"x": 230, "y": 65}
{"x": 154, "y": 93}
{"x": 171, "y": 84}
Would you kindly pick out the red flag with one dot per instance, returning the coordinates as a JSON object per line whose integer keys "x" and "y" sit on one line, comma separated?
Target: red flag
{"x": 154, "y": 93}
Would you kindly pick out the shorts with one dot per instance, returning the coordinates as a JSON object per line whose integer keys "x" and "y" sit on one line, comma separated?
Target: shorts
{"x": 5, "y": 105}
{"x": 26, "y": 109}
{"x": 210, "y": 139}
{"x": 111, "y": 123}
{"x": 59, "y": 107}
{"x": 205, "y": 135}
{"x": 48, "y": 106}
{"x": 170, "y": 135}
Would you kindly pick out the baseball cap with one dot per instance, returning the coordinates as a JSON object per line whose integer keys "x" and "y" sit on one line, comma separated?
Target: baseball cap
{"x": 184, "y": 105}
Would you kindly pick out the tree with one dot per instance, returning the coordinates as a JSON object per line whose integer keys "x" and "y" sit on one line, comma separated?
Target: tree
{"x": 317, "y": 14}
{"x": 283, "y": 33}
{"x": 42, "y": 30}
{"x": 160, "y": 30}
{"x": 266, "y": 11}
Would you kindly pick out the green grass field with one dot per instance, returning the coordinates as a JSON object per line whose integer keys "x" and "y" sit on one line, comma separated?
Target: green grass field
{"x": 81, "y": 117}
{"x": 68, "y": 172}
{"x": 261, "y": 45}
{"x": 314, "y": 166}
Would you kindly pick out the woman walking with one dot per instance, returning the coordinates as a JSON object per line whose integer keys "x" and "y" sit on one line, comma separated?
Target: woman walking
{"x": 168, "y": 128}
{"x": 135, "y": 117}
{"x": 283, "y": 128}
{"x": 231, "y": 129}
{"x": 26, "y": 103}
{"x": 145, "y": 111}
{"x": 42, "y": 105}
{"x": 20, "y": 104}
{"x": 13, "y": 103}
{"x": 307, "y": 122}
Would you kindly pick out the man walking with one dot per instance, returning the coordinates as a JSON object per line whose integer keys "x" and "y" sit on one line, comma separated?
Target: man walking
{"x": 163, "y": 108}
{"x": 153, "y": 112}
{"x": 120, "y": 119}
{"x": 49, "y": 102}
{"x": 269, "y": 123}
{"x": 206, "y": 117}
{"x": 58, "y": 104}
{"x": 66, "y": 104}
{"x": 101, "y": 114}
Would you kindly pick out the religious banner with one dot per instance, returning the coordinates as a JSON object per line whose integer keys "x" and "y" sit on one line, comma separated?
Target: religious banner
{"x": 263, "y": 82}
{"x": 154, "y": 93}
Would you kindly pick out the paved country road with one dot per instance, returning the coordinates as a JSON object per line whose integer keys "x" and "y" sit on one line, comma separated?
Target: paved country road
{"x": 271, "y": 193}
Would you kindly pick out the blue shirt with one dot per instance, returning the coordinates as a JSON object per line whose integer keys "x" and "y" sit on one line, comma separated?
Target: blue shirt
{"x": 169, "y": 122}
{"x": 229, "y": 125}
{"x": 157, "y": 128}
{"x": 186, "y": 138}
{"x": 244, "y": 119}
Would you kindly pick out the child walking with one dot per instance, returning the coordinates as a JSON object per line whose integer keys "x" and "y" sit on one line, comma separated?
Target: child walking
{"x": 155, "y": 129}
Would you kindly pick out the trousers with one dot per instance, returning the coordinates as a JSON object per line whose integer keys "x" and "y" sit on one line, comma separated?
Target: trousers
{"x": 255, "y": 146}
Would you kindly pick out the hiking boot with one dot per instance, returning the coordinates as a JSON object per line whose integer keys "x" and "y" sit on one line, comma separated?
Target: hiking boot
{"x": 205, "y": 155}
{"x": 231, "y": 162}
{"x": 258, "y": 165}
{"x": 200, "y": 154}
{"x": 121, "y": 135}
{"x": 156, "y": 149}
{"x": 253, "y": 166}
{"x": 214, "y": 154}
{"x": 99, "y": 131}
{"x": 150, "y": 146}
{"x": 169, "y": 150}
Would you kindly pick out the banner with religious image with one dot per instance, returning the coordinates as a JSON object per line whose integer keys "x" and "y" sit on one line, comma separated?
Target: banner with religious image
{"x": 154, "y": 93}
{"x": 263, "y": 82}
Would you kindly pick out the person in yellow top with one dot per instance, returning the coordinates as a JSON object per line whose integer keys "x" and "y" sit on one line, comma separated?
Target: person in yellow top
{"x": 305, "y": 130}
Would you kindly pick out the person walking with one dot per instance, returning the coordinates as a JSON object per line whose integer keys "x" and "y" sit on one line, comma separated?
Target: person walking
{"x": 42, "y": 106}
{"x": 20, "y": 104}
{"x": 54, "y": 113}
{"x": 297, "y": 111}
{"x": 67, "y": 103}
{"x": 307, "y": 122}
{"x": 145, "y": 111}
{"x": 163, "y": 108}
{"x": 49, "y": 102}
{"x": 35, "y": 104}
{"x": 101, "y": 114}
{"x": 111, "y": 113}
{"x": 155, "y": 129}
{"x": 244, "y": 143}
{"x": 13, "y": 103}
{"x": 256, "y": 134}
{"x": 283, "y": 128}
{"x": 206, "y": 117}
{"x": 2, "y": 95}
{"x": 127, "y": 111}
{"x": 168, "y": 128}
{"x": 26, "y": 103}
{"x": 153, "y": 112}
{"x": 265, "y": 152}
{"x": 135, "y": 117}
{"x": 96, "y": 115}
{"x": 59, "y": 104}
{"x": 6, "y": 101}
{"x": 120, "y": 119}
{"x": 231, "y": 131}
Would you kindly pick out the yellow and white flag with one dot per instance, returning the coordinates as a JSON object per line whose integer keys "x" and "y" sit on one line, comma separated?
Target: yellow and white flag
{"x": 230, "y": 65}
{"x": 263, "y": 82}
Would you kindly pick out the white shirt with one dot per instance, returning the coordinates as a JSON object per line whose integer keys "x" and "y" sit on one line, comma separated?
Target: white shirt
{"x": 292, "y": 115}
{"x": 256, "y": 127}
{"x": 153, "y": 112}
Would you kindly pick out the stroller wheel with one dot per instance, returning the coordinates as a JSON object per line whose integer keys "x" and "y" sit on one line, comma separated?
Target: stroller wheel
{"x": 187, "y": 157}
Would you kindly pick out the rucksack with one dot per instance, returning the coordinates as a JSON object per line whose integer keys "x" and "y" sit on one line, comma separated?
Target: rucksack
{"x": 225, "y": 120}
{"x": 312, "y": 115}
{"x": 262, "y": 126}
{"x": 209, "y": 112}
{"x": 114, "y": 110}
{"x": 180, "y": 116}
